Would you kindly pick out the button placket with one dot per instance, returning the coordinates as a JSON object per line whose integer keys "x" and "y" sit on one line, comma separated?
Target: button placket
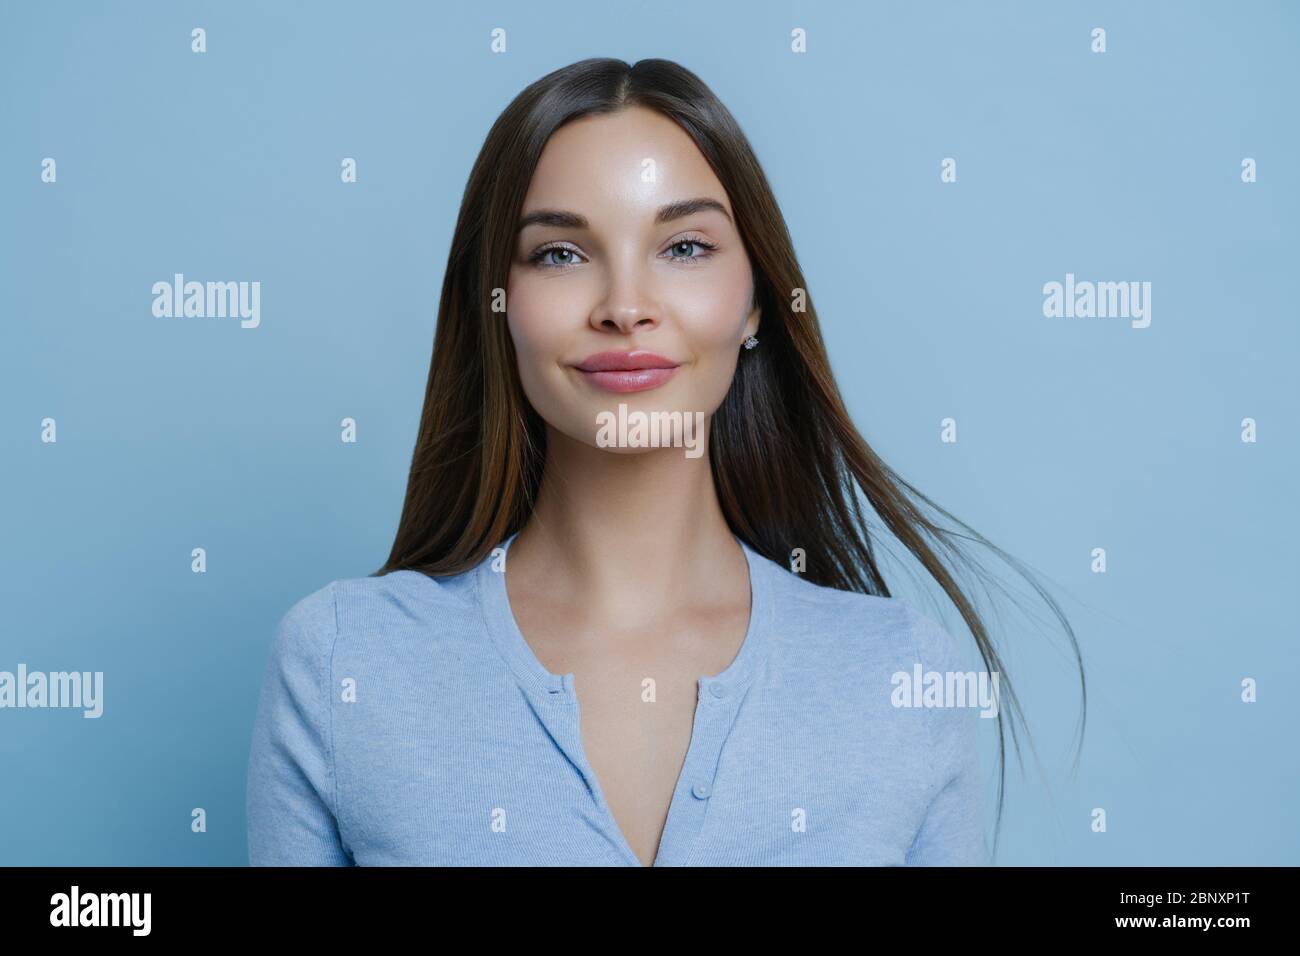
{"x": 713, "y": 717}
{"x": 567, "y": 722}
{"x": 567, "y": 719}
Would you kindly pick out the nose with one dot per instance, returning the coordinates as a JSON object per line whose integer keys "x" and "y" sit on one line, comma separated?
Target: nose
{"x": 628, "y": 305}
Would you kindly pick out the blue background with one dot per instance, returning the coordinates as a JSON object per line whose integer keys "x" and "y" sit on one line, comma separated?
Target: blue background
{"x": 1073, "y": 434}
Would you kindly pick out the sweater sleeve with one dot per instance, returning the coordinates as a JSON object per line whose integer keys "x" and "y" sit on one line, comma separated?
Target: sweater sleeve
{"x": 292, "y": 813}
{"x": 952, "y": 833}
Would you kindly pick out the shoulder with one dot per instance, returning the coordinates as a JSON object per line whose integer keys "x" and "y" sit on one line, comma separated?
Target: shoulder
{"x": 400, "y": 614}
{"x": 365, "y": 616}
{"x": 341, "y": 606}
{"x": 405, "y": 596}
{"x": 307, "y": 628}
{"x": 849, "y": 626}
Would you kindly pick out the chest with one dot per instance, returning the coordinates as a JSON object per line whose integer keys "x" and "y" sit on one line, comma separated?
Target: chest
{"x": 635, "y": 734}
{"x": 636, "y": 703}
{"x": 471, "y": 770}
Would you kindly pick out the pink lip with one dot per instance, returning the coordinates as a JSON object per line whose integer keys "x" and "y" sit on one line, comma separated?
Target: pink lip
{"x": 634, "y": 371}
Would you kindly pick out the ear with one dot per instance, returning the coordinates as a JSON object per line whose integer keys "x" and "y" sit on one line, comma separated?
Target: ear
{"x": 751, "y": 323}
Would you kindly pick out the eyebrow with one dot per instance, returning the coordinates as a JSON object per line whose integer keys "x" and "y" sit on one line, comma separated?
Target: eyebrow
{"x": 564, "y": 219}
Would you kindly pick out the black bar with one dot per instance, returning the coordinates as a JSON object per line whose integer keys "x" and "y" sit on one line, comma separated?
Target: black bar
{"x": 211, "y": 904}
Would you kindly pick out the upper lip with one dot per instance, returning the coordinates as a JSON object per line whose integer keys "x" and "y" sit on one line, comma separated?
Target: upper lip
{"x": 623, "y": 362}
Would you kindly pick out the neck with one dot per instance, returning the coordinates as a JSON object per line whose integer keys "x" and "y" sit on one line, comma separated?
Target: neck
{"x": 625, "y": 531}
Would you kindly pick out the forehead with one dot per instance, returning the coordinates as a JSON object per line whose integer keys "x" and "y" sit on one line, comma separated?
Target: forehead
{"x": 602, "y": 160}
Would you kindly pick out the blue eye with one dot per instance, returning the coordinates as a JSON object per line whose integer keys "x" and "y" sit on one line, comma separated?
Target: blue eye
{"x": 540, "y": 255}
{"x": 692, "y": 242}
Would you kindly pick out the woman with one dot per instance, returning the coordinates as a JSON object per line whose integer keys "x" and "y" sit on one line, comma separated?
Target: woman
{"x": 632, "y": 614}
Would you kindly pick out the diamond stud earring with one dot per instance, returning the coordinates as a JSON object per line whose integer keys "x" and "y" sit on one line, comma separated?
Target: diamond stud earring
{"x": 751, "y": 342}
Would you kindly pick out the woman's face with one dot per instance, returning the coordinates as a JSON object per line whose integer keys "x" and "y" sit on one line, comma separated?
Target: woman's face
{"x": 629, "y": 282}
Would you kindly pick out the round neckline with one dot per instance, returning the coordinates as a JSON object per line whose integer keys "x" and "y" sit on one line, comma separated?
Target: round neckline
{"x": 503, "y": 629}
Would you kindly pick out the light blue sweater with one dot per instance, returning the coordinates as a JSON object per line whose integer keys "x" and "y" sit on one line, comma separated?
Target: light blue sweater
{"x": 404, "y": 720}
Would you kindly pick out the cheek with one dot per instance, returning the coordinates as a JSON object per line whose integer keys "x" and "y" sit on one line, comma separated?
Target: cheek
{"x": 713, "y": 309}
{"x": 527, "y": 315}
{"x": 712, "y": 317}
{"x": 530, "y": 314}
{"x": 535, "y": 318}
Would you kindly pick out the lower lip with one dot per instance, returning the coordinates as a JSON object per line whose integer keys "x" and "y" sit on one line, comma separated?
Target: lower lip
{"x": 632, "y": 380}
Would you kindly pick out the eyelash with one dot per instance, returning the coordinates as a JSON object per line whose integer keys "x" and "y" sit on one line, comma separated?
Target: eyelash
{"x": 536, "y": 257}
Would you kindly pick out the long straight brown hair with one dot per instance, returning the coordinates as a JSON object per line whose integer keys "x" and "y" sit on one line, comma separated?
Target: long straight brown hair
{"x": 789, "y": 466}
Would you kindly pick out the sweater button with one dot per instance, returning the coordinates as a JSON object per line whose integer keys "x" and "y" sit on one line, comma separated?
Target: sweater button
{"x": 717, "y": 690}
{"x": 701, "y": 790}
